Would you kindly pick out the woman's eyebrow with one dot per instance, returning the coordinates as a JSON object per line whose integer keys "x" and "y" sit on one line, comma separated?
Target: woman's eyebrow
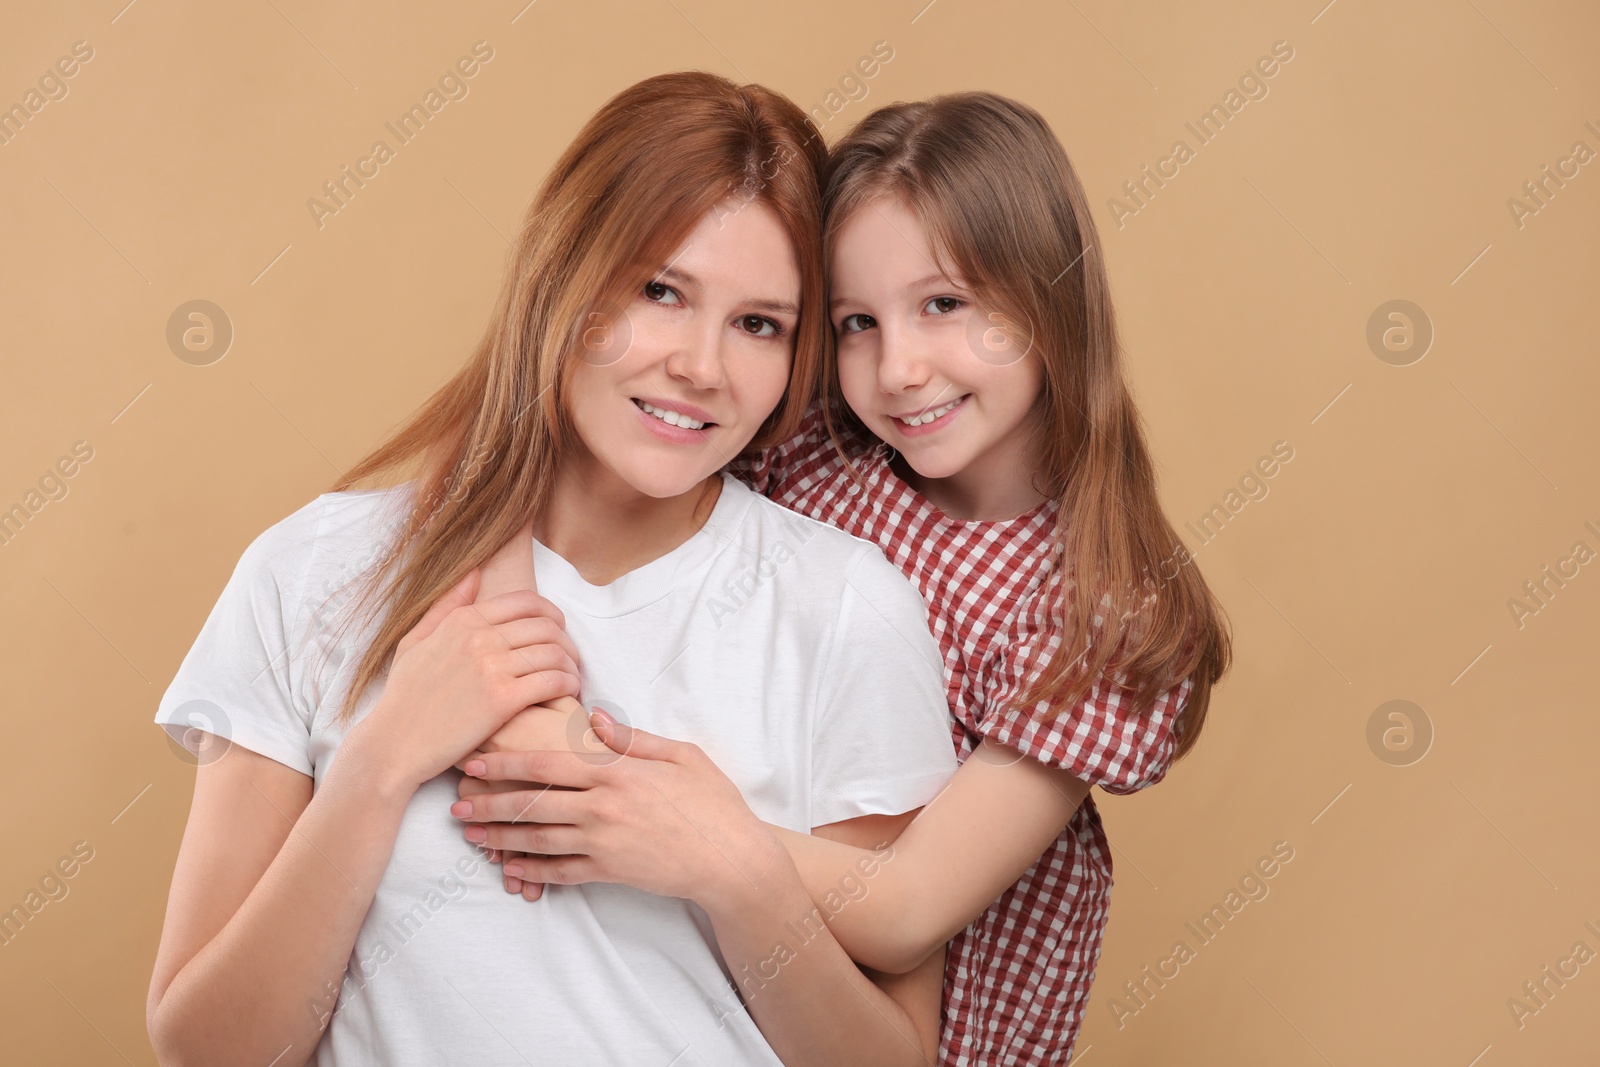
{"x": 785, "y": 307}
{"x": 683, "y": 277}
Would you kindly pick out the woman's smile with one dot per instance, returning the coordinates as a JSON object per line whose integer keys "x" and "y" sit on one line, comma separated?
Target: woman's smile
{"x": 675, "y": 422}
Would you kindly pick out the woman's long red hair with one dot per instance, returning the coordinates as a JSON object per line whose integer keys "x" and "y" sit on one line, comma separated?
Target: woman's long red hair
{"x": 640, "y": 175}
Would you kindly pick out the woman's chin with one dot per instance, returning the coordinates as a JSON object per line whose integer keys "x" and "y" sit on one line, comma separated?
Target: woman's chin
{"x": 664, "y": 484}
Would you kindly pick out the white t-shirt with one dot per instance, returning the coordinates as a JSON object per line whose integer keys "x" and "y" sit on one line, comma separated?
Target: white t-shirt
{"x": 795, "y": 654}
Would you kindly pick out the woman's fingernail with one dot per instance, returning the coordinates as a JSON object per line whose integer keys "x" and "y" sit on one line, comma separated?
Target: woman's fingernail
{"x": 514, "y": 870}
{"x": 477, "y": 834}
{"x": 461, "y": 808}
{"x": 475, "y": 767}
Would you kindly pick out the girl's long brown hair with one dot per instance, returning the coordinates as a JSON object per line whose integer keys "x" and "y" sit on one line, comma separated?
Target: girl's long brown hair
{"x": 641, "y": 174}
{"x": 1006, "y": 211}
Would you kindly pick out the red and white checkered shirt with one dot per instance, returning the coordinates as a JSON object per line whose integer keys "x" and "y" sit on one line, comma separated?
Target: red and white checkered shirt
{"x": 1017, "y": 979}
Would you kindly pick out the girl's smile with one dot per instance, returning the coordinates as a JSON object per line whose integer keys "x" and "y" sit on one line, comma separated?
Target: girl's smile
{"x": 930, "y": 420}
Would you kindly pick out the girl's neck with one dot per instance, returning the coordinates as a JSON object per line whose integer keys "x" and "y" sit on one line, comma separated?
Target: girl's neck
{"x": 997, "y": 485}
{"x": 606, "y": 528}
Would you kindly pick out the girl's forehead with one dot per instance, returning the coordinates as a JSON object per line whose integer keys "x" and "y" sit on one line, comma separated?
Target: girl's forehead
{"x": 888, "y": 256}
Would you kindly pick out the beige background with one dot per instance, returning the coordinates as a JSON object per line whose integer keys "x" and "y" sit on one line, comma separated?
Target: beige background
{"x": 1419, "y": 500}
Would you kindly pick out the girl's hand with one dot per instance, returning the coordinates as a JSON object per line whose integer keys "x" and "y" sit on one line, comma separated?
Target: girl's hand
{"x": 540, "y": 728}
{"x": 649, "y": 812}
{"x": 462, "y": 671}
{"x": 471, "y": 787}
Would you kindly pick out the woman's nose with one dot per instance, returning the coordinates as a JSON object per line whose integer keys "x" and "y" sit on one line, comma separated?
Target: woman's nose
{"x": 697, "y": 359}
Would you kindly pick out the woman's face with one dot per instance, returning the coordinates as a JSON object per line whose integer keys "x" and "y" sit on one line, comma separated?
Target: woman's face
{"x": 707, "y": 343}
{"x": 947, "y": 384}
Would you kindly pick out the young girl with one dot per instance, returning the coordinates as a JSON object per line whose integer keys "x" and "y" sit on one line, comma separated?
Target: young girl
{"x": 991, "y": 448}
{"x": 663, "y": 308}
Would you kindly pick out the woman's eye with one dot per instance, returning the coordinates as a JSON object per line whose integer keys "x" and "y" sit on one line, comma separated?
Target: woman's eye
{"x": 856, "y": 323}
{"x": 942, "y": 305}
{"x": 759, "y": 326}
{"x": 655, "y": 292}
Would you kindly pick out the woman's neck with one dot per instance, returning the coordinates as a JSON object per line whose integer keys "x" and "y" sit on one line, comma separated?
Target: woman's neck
{"x": 606, "y": 528}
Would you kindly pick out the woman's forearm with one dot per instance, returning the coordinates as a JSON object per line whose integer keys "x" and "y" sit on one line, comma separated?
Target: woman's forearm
{"x": 264, "y": 988}
{"x": 810, "y": 1000}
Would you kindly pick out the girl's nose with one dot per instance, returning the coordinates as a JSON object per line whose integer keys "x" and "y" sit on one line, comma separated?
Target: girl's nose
{"x": 900, "y": 367}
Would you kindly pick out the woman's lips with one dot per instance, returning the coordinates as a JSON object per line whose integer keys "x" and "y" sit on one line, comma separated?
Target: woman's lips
{"x": 678, "y": 435}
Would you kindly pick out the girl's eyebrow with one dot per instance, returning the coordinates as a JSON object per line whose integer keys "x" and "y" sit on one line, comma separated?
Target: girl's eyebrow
{"x": 913, "y": 286}
{"x": 782, "y": 307}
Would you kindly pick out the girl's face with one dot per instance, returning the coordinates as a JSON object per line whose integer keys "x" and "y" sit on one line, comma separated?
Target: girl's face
{"x": 939, "y": 379}
{"x": 707, "y": 343}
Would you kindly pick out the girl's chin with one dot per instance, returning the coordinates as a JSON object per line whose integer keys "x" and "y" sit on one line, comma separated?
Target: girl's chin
{"x": 930, "y": 464}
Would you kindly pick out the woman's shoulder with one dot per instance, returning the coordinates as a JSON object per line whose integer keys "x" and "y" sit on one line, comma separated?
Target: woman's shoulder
{"x": 821, "y": 558}
{"x": 351, "y": 510}
{"x": 314, "y": 549}
{"x": 772, "y": 522}
{"x": 246, "y": 676}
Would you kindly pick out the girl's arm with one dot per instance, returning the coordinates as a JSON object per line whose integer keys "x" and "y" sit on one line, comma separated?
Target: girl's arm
{"x": 990, "y": 824}
{"x": 819, "y": 1007}
{"x": 663, "y": 819}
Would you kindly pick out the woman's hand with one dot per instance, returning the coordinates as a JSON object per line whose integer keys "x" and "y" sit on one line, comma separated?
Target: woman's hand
{"x": 648, "y": 812}
{"x": 462, "y": 671}
{"x": 510, "y": 569}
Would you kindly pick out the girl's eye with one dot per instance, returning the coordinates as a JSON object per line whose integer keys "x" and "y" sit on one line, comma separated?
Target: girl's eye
{"x": 760, "y": 326}
{"x": 942, "y": 305}
{"x": 856, "y": 323}
{"x": 655, "y": 292}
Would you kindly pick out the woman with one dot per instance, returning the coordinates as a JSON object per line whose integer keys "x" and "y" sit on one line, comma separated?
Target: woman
{"x": 663, "y": 311}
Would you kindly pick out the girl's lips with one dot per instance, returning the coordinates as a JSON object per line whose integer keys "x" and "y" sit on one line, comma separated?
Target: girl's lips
{"x": 936, "y": 425}
{"x": 678, "y": 435}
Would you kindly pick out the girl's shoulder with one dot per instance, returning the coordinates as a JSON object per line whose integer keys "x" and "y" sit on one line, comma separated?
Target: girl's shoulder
{"x": 767, "y": 470}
